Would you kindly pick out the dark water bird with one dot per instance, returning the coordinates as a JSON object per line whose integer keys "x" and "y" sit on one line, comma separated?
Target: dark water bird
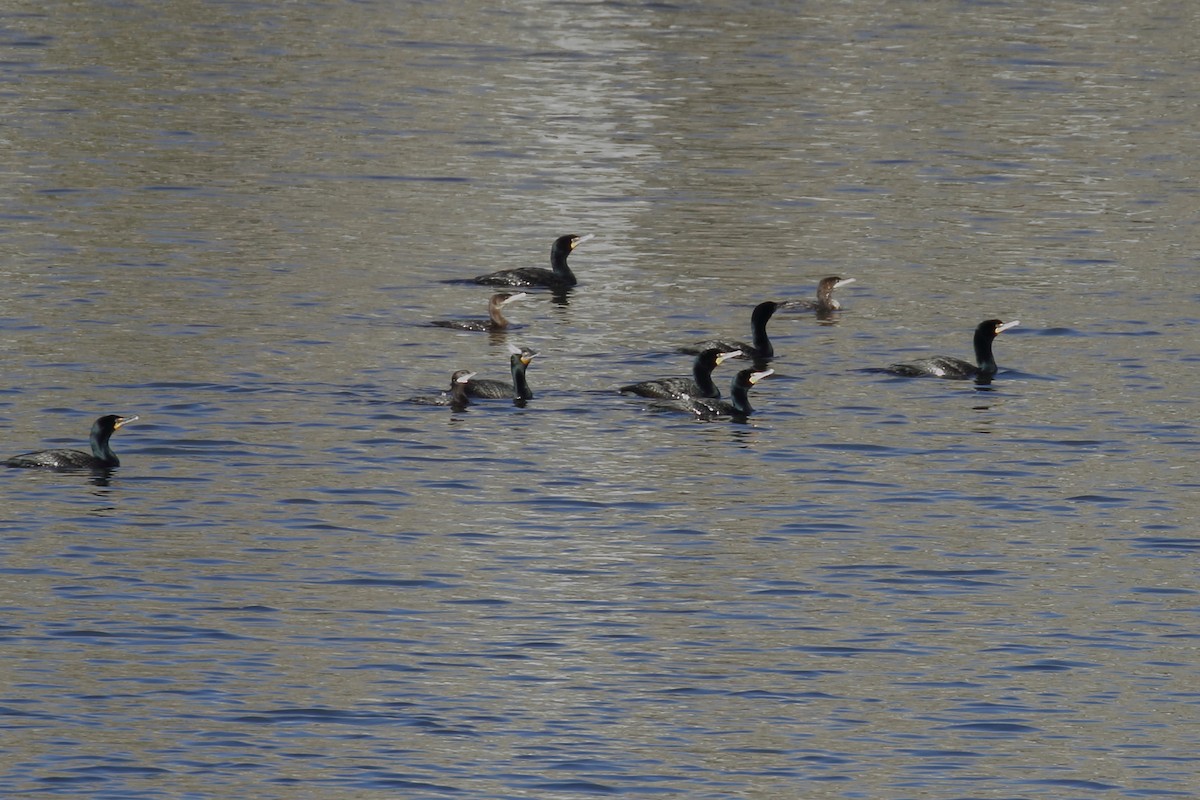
{"x": 559, "y": 277}
{"x": 699, "y": 385}
{"x": 955, "y": 368}
{"x": 101, "y": 457}
{"x": 456, "y": 396}
{"x": 518, "y": 389}
{"x": 738, "y": 405}
{"x": 761, "y": 347}
{"x": 495, "y": 320}
{"x": 825, "y": 301}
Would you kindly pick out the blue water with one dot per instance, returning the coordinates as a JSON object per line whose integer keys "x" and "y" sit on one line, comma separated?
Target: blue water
{"x": 237, "y": 220}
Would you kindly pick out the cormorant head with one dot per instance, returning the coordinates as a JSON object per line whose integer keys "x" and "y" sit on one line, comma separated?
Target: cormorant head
{"x": 504, "y": 298}
{"x": 714, "y": 356}
{"x": 106, "y": 425}
{"x": 827, "y": 285}
{"x": 991, "y": 328}
{"x": 749, "y": 377}
{"x": 755, "y": 377}
{"x": 524, "y": 354}
{"x": 563, "y": 245}
{"x": 765, "y": 310}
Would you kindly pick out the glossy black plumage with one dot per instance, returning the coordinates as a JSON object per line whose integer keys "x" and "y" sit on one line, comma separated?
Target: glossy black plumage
{"x": 101, "y": 457}
{"x": 759, "y": 349}
{"x": 456, "y": 396}
{"x": 738, "y": 404}
{"x": 699, "y": 385}
{"x": 517, "y": 390}
{"x": 559, "y": 277}
{"x": 956, "y": 368}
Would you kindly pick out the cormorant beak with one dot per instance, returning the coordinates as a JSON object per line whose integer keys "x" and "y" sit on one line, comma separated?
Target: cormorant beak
{"x": 578, "y": 240}
{"x": 758, "y": 376}
{"x": 517, "y": 296}
{"x": 123, "y": 421}
{"x": 843, "y": 282}
{"x": 1005, "y": 326}
{"x": 723, "y": 357}
{"x": 465, "y": 378}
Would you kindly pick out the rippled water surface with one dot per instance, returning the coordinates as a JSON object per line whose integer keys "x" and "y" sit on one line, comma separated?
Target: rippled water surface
{"x": 236, "y": 220}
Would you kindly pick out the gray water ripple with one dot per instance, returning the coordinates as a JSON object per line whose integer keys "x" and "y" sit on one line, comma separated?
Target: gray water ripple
{"x": 1168, "y": 544}
{"x": 997, "y": 727}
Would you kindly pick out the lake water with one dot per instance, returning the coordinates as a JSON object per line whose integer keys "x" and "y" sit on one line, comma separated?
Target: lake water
{"x": 236, "y": 220}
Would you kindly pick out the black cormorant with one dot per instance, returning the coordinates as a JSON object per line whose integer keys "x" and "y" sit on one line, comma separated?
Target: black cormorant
{"x": 101, "y": 457}
{"x": 760, "y": 349}
{"x": 456, "y": 396}
{"x": 559, "y": 277}
{"x": 956, "y": 368}
{"x": 518, "y": 389}
{"x": 699, "y": 385}
{"x": 738, "y": 405}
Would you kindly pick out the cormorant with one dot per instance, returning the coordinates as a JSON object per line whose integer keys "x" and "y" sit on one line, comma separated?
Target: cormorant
{"x": 956, "y": 368}
{"x": 699, "y": 385}
{"x": 559, "y": 277}
{"x": 518, "y": 389}
{"x": 760, "y": 350}
{"x": 101, "y": 457}
{"x": 494, "y": 322}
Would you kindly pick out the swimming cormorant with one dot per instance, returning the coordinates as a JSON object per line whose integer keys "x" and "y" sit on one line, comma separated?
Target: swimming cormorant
{"x": 761, "y": 349}
{"x": 825, "y": 301}
{"x": 559, "y": 277}
{"x": 699, "y": 385}
{"x": 738, "y": 406}
{"x": 956, "y": 368}
{"x": 518, "y": 389}
{"x": 494, "y": 322}
{"x": 456, "y": 396}
{"x": 101, "y": 457}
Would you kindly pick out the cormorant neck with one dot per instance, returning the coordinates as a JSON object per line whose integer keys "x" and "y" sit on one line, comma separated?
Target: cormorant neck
{"x": 498, "y": 320}
{"x": 740, "y": 397}
{"x": 102, "y": 450}
{"x": 702, "y": 374}
{"x": 558, "y": 261}
{"x": 762, "y": 343}
{"x": 520, "y": 384}
{"x": 827, "y": 302}
{"x": 983, "y": 352}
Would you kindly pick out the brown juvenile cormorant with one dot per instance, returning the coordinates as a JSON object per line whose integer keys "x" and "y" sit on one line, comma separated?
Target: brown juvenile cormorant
{"x": 495, "y": 321}
{"x": 825, "y": 301}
